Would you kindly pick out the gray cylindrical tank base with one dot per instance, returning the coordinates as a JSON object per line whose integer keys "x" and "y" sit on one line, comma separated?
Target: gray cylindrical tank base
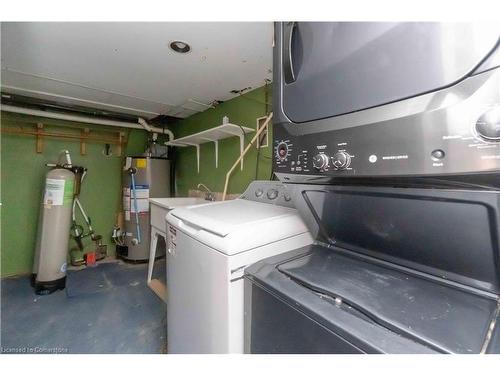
{"x": 49, "y": 266}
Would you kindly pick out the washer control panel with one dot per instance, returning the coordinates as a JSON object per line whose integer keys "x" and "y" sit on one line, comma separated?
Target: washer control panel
{"x": 272, "y": 192}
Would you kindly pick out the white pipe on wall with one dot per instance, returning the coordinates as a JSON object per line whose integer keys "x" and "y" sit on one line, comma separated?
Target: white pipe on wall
{"x": 141, "y": 124}
{"x": 153, "y": 129}
{"x": 68, "y": 117}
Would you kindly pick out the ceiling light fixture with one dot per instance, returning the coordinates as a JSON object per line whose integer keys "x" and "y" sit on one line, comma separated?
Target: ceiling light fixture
{"x": 180, "y": 47}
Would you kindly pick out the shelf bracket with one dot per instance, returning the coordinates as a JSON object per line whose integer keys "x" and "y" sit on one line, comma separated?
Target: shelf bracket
{"x": 197, "y": 154}
{"x": 242, "y": 143}
{"x": 216, "y": 144}
{"x": 198, "y": 157}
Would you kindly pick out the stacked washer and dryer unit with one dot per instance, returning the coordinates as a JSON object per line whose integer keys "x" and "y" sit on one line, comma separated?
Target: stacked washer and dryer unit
{"x": 397, "y": 131}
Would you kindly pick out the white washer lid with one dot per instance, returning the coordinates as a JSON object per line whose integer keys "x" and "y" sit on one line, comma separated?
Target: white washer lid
{"x": 171, "y": 203}
{"x": 237, "y": 225}
{"x": 222, "y": 218}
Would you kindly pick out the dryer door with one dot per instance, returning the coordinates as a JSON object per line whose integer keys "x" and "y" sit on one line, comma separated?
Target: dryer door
{"x": 333, "y": 68}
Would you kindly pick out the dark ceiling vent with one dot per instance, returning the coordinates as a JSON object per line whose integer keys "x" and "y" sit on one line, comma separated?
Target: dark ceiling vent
{"x": 240, "y": 91}
{"x": 163, "y": 120}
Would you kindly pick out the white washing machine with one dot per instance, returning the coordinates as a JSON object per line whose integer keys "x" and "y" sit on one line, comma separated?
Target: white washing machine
{"x": 208, "y": 248}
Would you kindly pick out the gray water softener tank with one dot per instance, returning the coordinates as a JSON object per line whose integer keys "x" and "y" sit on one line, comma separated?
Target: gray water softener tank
{"x": 49, "y": 266}
{"x": 152, "y": 180}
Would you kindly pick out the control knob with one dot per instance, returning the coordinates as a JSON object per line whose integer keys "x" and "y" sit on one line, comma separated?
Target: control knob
{"x": 488, "y": 125}
{"x": 320, "y": 161}
{"x": 282, "y": 151}
{"x": 272, "y": 194}
{"x": 341, "y": 160}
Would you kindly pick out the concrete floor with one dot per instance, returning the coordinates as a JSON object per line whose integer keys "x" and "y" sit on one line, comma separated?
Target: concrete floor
{"x": 104, "y": 309}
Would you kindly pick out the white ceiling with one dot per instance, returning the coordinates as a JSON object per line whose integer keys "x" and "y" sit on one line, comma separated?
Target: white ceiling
{"x": 129, "y": 68}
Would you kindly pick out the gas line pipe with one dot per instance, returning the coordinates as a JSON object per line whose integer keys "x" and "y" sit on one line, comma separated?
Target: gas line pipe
{"x": 242, "y": 155}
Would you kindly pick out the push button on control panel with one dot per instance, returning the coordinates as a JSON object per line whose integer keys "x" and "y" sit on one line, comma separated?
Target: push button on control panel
{"x": 259, "y": 192}
{"x": 437, "y": 154}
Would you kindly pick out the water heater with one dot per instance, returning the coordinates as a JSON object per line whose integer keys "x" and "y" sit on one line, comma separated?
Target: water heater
{"x": 144, "y": 177}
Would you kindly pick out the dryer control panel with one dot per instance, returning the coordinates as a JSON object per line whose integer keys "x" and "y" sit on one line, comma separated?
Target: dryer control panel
{"x": 455, "y": 131}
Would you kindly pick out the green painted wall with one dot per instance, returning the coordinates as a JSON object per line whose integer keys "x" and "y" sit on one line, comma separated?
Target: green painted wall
{"x": 23, "y": 171}
{"x": 242, "y": 110}
{"x": 22, "y": 180}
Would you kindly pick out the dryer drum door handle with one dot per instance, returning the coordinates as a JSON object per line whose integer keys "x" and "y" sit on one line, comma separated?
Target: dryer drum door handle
{"x": 287, "y": 52}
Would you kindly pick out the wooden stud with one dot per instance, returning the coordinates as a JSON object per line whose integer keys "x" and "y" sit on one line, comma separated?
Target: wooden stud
{"x": 121, "y": 143}
{"x": 83, "y": 145}
{"x": 39, "y": 138}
